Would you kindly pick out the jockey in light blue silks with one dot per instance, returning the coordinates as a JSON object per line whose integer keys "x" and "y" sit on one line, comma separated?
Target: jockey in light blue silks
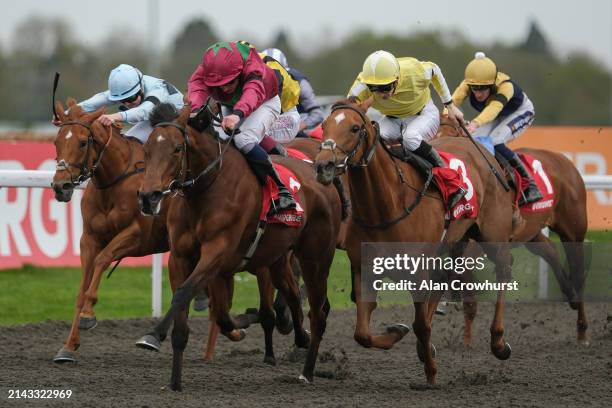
{"x": 138, "y": 94}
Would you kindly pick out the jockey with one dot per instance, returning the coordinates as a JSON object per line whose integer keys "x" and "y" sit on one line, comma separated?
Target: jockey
{"x": 505, "y": 112}
{"x": 287, "y": 125}
{"x": 311, "y": 114}
{"x": 234, "y": 74}
{"x": 138, "y": 95}
{"x": 400, "y": 88}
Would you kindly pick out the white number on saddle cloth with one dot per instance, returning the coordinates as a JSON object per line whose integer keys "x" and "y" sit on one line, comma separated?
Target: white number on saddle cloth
{"x": 459, "y": 166}
{"x": 295, "y": 185}
{"x": 539, "y": 170}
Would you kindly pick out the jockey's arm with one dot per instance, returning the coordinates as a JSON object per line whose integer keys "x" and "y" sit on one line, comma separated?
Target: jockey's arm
{"x": 461, "y": 93}
{"x": 359, "y": 90}
{"x": 314, "y": 113}
{"x": 434, "y": 73}
{"x": 496, "y": 103}
{"x": 96, "y": 102}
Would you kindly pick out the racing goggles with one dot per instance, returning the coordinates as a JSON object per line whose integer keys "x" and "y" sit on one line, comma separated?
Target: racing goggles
{"x": 382, "y": 88}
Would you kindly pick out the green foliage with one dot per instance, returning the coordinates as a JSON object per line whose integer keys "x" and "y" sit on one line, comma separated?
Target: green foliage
{"x": 574, "y": 90}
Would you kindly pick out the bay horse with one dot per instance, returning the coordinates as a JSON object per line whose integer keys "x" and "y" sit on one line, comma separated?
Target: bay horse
{"x": 385, "y": 195}
{"x": 113, "y": 227}
{"x": 222, "y": 207}
{"x": 567, "y": 217}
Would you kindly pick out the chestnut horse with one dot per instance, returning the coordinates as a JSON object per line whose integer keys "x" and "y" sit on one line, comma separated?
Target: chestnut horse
{"x": 567, "y": 217}
{"x": 389, "y": 204}
{"x": 222, "y": 206}
{"x": 113, "y": 226}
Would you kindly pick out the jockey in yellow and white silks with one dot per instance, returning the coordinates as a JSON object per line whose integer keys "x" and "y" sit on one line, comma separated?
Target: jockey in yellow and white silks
{"x": 400, "y": 88}
{"x": 505, "y": 112}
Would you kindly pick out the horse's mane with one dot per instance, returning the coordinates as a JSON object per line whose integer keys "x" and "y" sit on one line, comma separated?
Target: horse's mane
{"x": 164, "y": 112}
{"x": 351, "y": 100}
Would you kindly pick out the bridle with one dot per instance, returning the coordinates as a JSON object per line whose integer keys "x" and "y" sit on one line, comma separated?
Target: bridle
{"x": 184, "y": 178}
{"x": 331, "y": 144}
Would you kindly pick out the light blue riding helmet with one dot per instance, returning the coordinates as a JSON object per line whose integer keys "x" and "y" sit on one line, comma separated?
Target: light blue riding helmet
{"x": 123, "y": 82}
{"x": 277, "y": 55}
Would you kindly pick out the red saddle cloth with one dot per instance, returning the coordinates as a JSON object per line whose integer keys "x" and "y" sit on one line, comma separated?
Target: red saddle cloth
{"x": 296, "y": 154}
{"x": 316, "y": 133}
{"x": 291, "y": 218}
{"x": 536, "y": 171}
{"x": 449, "y": 179}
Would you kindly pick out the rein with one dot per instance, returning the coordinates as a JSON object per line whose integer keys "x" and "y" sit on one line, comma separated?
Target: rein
{"x": 330, "y": 144}
{"x": 86, "y": 173}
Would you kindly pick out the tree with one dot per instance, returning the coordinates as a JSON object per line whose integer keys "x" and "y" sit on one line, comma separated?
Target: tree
{"x": 536, "y": 42}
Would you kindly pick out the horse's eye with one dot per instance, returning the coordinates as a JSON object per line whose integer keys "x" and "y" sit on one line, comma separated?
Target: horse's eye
{"x": 355, "y": 129}
{"x": 82, "y": 143}
{"x": 178, "y": 148}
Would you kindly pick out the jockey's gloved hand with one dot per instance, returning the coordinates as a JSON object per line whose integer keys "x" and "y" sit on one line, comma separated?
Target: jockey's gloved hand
{"x": 454, "y": 113}
{"x": 199, "y": 120}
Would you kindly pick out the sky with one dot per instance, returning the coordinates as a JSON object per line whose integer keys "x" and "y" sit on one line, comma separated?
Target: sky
{"x": 584, "y": 25}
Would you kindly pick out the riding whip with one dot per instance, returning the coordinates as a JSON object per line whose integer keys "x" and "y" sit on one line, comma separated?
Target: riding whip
{"x": 497, "y": 175}
{"x": 55, "y": 82}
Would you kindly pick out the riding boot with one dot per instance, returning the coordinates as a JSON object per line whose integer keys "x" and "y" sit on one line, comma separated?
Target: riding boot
{"x": 271, "y": 146}
{"x": 532, "y": 193}
{"x": 426, "y": 151}
{"x": 260, "y": 162}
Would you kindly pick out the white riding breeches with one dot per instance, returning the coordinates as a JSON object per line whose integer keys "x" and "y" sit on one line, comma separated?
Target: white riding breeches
{"x": 286, "y": 127}
{"x": 140, "y": 131}
{"x": 508, "y": 128}
{"x": 412, "y": 129}
{"x": 255, "y": 126}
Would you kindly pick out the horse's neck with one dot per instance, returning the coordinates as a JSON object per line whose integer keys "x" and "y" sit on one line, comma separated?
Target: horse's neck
{"x": 377, "y": 194}
{"x": 115, "y": 160}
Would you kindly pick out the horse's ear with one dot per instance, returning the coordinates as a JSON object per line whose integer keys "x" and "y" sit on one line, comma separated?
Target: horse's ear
{"x": 365, "y": 105}
{"x": 71, "y": 102}
{"x": 92, "y": 116}
{"x": 184, "y": 115}
{"x": 59, "y": 111}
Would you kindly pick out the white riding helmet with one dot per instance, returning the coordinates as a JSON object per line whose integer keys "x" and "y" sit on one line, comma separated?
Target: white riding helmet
{"x": 277, "y": 55}
{"x": 123, "y": 82}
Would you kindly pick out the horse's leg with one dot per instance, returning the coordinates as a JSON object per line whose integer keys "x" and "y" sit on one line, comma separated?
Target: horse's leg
{"x": 283, "y": 277}
{"x": 470, "y": 308}
{"x": 213, "y": 333}
{"x": 363, "y": 334}
{"x": 315, "y": 277}
{"x": 546, "y": 249}
{"x": 284, "y": 323}
{"x": 266, "y": 314}
{"x": 180, "y": 336}
{"x": 502, "y": 258}
{"x": 123, "y": 244}
{"x": 89, "y": 250}
{"x": 422, "y": 331}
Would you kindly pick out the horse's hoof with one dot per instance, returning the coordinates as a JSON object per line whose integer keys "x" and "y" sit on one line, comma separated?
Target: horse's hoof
{"x": 270, "y": 360}
{"x": 304, "y": 380}
{"x": 148, "y": 342}
{"x": 421, "y": 352}
{"x": 176, "y": 387}
{"x": 303, "y": 341}
{"x": 284, "y": 324}
{"x": 584, "y": 342}
{"x": 65, "y": 356}
{"x": 87, "y": 323}
{"x": 400, "y": 329}
{"x": 505, "y": 353}
{"x": 241, "y": 336}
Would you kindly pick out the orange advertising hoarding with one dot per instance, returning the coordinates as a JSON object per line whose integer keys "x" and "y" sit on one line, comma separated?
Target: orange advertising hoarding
{"x": 590, "y": 149}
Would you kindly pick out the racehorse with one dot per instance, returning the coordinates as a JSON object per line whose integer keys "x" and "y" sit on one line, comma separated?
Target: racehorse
{"x": 222, "y": 206}
{"x": 567, "y": 217}
{"x": 113, "y": 227}
{"x": 390, "y": 203}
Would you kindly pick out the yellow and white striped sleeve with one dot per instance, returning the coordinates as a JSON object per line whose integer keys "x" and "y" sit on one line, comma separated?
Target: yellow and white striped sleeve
{"x": 462, "y": 92}
{"x": 434, "y": 74}
{"x": 359, "y": 90}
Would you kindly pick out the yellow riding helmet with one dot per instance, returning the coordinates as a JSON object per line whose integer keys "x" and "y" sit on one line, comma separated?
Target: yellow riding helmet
{"x": 380, "y": 68}
{"x": 481, "y": 70}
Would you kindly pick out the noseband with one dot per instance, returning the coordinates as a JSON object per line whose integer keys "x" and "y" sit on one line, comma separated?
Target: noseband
{"x": 331, "y": 144}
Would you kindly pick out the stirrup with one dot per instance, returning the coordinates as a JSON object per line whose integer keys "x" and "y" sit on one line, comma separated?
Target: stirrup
{"x": 530, "y": 195}
{"x": 285, "y": 201}
{"x": 456, "y": 197}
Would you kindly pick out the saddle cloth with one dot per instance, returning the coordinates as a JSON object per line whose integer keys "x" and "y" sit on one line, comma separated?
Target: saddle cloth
{"x": 296, "y": 154}
{"x": 449, "y": 179}
{"x": 291, "y": 218}
{"x": 536, "y": 171}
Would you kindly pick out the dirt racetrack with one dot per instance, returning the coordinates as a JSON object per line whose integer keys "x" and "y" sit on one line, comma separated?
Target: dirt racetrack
{"x": 547, "y": 367}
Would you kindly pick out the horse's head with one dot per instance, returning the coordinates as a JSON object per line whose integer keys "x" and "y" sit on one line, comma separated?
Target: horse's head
{"x": 349, "y": 139}
{"x": 74, "y": 148}
{"x": 166, "y": 156}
